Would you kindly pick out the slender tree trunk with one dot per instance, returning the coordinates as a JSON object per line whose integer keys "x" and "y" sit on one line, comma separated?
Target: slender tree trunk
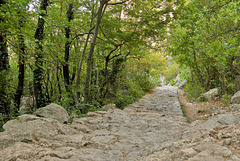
{"x": 90, "y": 54}
{"x": 106, "y": 74}
{"x": 197, "y": 68}
{"x": 46, "y": 83}
{"x": 4, "y": 67}
{"x": 38, "y": 69}
{"x": 76, "y": 93}
{"x": 67, "y": 49}
{"x": 74, "y": 74}
{"x": 58, "y": 82}
{"x": 21, "y": 68}
{"x": 198, "y": 72}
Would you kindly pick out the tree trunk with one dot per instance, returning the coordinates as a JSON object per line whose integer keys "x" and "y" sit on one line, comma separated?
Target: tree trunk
{"x": 198, "y": 73}
{"x": 38, "y": 69}
{"x": 105, "y": 81}
{"x": 58, "y": 82}
{"x": 90, "y": 54}
{"x": 4, "y": 66}
{"x": 21, "y": 66}
{"x": 67, "y": 48}
{"x": 76, "y": 93}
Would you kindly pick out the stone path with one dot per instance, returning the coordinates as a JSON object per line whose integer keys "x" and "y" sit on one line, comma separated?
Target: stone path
{"x": 150, "y": 129}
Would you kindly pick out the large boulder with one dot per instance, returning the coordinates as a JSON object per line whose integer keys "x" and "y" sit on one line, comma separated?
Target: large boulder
{"x": 53, "y": 111}
{"x": 236, "y": 98}
{"x": 19, "y": 150}
{"x": 218, "y": 121}
{"x": 29, "y": 128}
{"x": 31, "y": 124}
{"x": 211, "y": 93}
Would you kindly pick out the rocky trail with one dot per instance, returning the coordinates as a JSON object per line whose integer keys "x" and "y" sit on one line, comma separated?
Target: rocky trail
{"x": 151, "y": 129}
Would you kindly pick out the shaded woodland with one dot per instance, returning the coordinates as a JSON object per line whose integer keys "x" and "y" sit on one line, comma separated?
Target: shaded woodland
{"x": 85, "y": 54}
{"x": 80, "y": 54}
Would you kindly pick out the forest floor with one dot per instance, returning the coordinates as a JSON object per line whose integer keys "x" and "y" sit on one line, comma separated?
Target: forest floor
{"x": 151, "y": 129}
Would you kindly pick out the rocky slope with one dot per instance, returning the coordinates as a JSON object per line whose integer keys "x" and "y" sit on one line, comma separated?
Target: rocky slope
{"x": 150, "y": 129}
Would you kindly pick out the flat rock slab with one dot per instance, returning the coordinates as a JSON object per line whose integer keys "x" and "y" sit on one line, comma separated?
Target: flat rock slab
{"x": 152, "y": 128}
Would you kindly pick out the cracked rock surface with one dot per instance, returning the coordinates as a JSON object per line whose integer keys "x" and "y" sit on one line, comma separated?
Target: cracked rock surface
{"x": 150, "y": 129}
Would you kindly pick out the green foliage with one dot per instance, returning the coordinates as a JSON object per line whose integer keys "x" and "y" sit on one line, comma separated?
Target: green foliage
{"x": 3, "y": 119}
{"x": 126, "y": 93}
{"x": 193, "y": 88}
{"x": 124, "y": 64}
{"x": 205, "y": 38}
{"x": 124, "y": 98}
{"x": 226, "y": 99}
{"x": 185, "y": 73}
{"x": 202, "y": 99}
{"x": 171, "y": 72}
{"x": 144, "y": 82}
{"x": 75, "y": 112}
{"x": 65, "y": 100}
{"x": 173, "y": 83}
{"x": 132, "y": 88}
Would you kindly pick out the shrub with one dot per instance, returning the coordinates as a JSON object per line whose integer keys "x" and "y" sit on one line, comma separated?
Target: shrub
{"x": 194, "y": 88}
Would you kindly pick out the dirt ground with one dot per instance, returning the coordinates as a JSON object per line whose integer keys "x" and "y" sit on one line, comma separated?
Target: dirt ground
{"x": 198, "y": 110}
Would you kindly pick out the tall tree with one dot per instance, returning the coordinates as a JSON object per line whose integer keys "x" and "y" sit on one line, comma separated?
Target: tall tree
{"x": 4, "y": 67}
{"x": 110, "y": 41}
{"x": 21, "y": 62}
{"x": 205, "y": 37}
{"x": 38, "y": 69}
{"x": 101, "y": 9}
{"x": 67, "y": 48}
{"x": 76, "y": 93}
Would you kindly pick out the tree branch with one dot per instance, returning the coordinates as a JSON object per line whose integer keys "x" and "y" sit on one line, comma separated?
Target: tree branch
{"x": 116, "y": 48}
{"x": 117, "y": 3}
{"x": 115, "y": 56}
{"x": 84, "y": 33}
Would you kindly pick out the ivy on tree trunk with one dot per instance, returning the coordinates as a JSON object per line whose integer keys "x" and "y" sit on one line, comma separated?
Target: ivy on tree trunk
{"x": 21, "y": 64}
{"x": 38, "y": 69}
{"x": 67, "y": 48}
{"x": 4, "y": 67}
